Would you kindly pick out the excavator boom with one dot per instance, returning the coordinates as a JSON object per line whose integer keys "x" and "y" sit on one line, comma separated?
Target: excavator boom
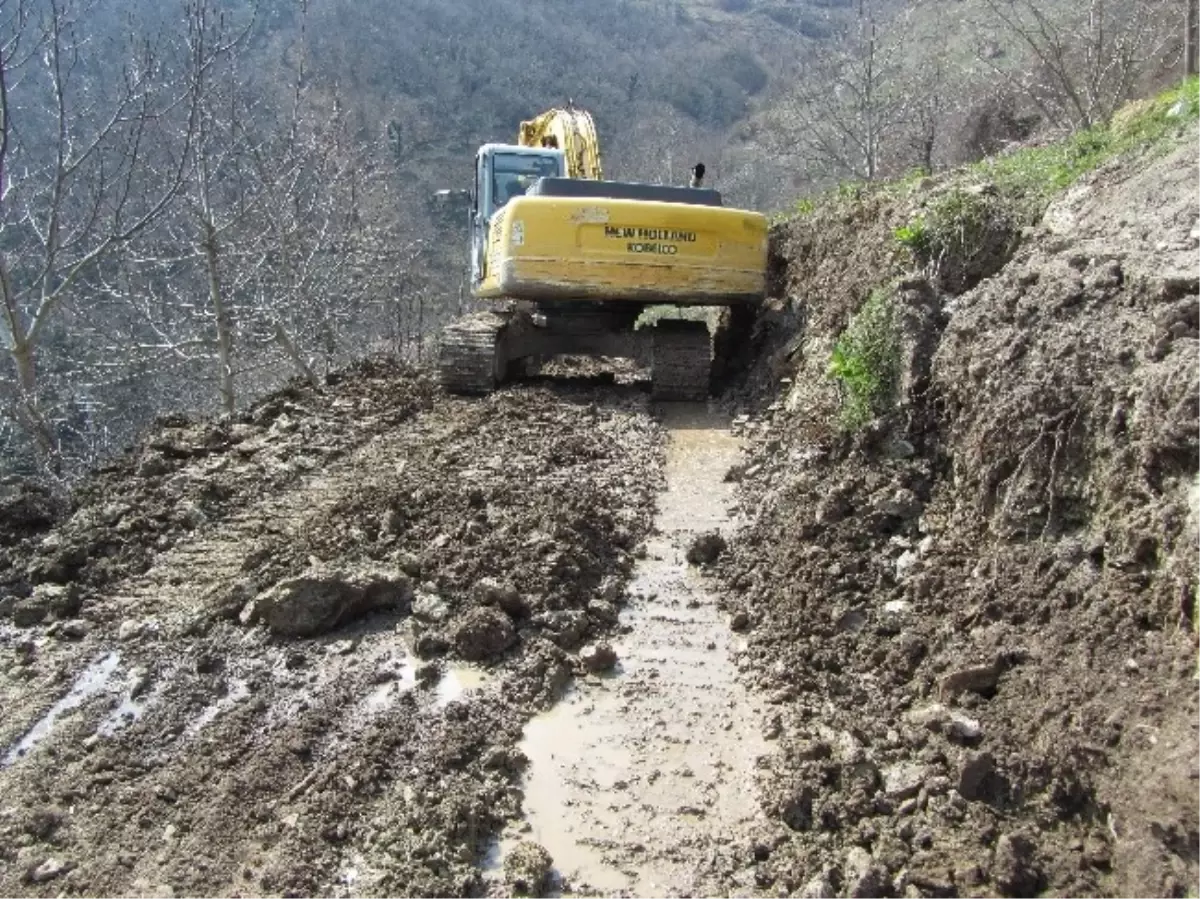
{"x": 570, "y": 130}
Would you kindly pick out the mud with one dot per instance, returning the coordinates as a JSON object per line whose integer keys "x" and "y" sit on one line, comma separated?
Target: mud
{"x": 356, "y": 640}
{"x": 636, "y": 775}
{"x": 218, "y": 744}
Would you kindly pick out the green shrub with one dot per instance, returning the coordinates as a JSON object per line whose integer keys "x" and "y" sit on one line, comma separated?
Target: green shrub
{"x": 805, "y": 206}
{"x": 866, "y": 361}
{"x": 954, "y": 228}
{"x": 914, "y": 237}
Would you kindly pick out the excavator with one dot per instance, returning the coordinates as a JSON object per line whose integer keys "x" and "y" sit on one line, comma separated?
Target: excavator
{"x": 568, "y": 262}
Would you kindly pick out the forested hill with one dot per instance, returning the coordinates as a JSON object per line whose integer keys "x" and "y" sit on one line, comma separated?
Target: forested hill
{"x": 666, "y": 81}
{"x": 203, "y": 199}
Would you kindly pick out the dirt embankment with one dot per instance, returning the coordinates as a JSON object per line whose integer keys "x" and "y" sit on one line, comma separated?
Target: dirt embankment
{"x": 238, "y": 663}
{"x": 976, "y": 618}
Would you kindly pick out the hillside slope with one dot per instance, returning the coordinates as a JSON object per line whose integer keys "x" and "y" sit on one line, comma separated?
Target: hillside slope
{"x": 977, "y": 615}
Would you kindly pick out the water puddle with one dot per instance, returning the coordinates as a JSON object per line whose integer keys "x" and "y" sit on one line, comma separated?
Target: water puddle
{"x": 93, "y": 679}
{"x": 635, "y": 777}
{"x": 456, "y": 682}
{"x": 137, "y": 696}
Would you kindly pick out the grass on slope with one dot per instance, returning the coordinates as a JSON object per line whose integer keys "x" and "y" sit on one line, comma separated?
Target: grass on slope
{"x": 966, "y": 228}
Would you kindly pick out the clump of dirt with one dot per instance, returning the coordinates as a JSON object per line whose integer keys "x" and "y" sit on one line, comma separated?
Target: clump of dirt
{"x": 242, "y": 707}
{"x": 977, "y": 615}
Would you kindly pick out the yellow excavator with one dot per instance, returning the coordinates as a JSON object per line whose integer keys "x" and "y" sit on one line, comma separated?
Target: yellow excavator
{"x": 569, "y": 262}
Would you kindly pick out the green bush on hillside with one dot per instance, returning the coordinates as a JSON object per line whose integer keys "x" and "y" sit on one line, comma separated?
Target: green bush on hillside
{"x": 866, "y": 361}
{"x": 955, "y": 226}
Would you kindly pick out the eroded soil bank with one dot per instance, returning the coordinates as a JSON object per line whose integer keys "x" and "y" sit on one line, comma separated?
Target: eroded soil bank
{"x": 639, "y": 774}
{"x": 977, "y": 616}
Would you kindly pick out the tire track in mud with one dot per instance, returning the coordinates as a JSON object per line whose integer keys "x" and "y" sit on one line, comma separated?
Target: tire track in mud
{"x": 636, "y": 777}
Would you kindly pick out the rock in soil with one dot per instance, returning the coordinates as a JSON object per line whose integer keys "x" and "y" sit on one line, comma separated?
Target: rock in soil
{"x": 706, "y": 548}
{"x": 482, "y": 633}
{"x": 323, "y": 598}
{"x": 598, "y": 657}
{"x": 527, "y": 869}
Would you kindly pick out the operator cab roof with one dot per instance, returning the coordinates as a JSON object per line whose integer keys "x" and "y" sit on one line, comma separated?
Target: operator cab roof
{"x": 520, "y": 151}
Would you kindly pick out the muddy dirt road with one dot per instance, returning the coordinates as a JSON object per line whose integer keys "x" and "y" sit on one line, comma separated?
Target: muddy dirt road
{"x": 636, "y": 776}
{"x": 317, "y": 683}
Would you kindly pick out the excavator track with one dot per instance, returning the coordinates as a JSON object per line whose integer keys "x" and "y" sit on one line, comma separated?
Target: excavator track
{"x": 472, "y": 358}
{"x": 681, "y": 362}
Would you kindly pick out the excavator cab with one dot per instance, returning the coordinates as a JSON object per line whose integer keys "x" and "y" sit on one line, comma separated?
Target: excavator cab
{"x": 503, "y": 172}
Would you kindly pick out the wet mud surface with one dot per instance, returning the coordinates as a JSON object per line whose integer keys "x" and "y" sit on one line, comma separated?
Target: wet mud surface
{"x": 638, "y": 773}
{"x": 369, "y": 639}
{"x": 318, "y": 688}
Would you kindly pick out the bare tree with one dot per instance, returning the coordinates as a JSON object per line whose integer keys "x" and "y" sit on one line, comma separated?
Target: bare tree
{"x": 1087, "y": 57}
{"x": 72, "y": 167}
{"x": 272, "y": 259}
{"x": 847, "y": 104}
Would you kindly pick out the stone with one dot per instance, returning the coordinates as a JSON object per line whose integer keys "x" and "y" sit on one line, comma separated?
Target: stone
{"x": 740, "y": 621}
{"x": 30, "y": 611}
{"x": 490, "y": 591}
{"x": 1014, "y": 866}
{"x": 153, "y": 465}
{"x": 863, "y": 877}
{"x": 527, "y": 869}
{"x": 48, "y": 870}
{"x": 903, "y": 780}
{"x": 963, "y": 727}
{"x": 603, "y": 611}
{"x": 981, "y": 679}
{"x": 225, "y": 601}
{"x": 482, "y": 633}
{"x": 430, "y": 607}
{"x": 128, "y": 629}
{"x": 391, "y": 523}
{"x": 706, "y": 548}
{"x": 565, "y": 627}
{"x": 832, "y": 509}
{"x": 819, "y": 887}
{"x": 598, "y": 657}
{"x": 62, "y": 600}
{"x": 902, "y": 504}
{"x": 323, "y": 598}
{"x": 74, "y": 630}
{"x": 973, "y": 777}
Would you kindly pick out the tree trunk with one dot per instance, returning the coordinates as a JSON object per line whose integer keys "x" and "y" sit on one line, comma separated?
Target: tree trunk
{"x": 289, "y": 347}
{"x": 1191, "y": 36}
{"x": 22, "y": 353}
{"x": 224, "y": 319}
{"x": 28, "y": 413}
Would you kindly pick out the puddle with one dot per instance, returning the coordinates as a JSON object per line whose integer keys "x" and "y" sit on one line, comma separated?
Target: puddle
{"x": 129, "y": 711}
{"x": 456, "y": 682}
{"x": 634, "y": 778}
{"x": 93, "y": 679}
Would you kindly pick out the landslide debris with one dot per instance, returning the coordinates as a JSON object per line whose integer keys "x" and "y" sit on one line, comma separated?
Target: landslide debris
{"x": 190, "y": 474}
{"x": 976, "y": 615}
{"x": 248, "y": 709}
